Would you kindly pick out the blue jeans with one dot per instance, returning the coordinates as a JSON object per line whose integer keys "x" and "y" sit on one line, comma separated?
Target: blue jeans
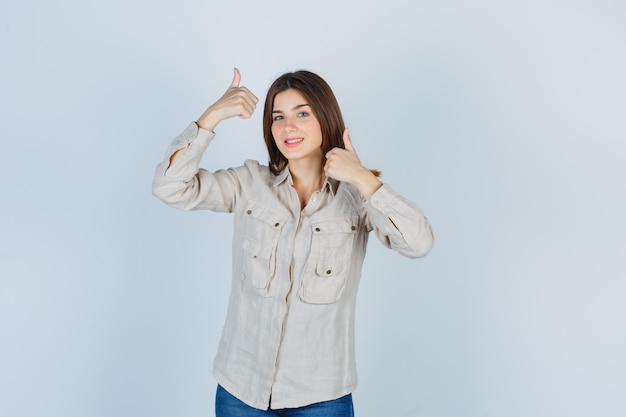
{"x": 226, "y": 405}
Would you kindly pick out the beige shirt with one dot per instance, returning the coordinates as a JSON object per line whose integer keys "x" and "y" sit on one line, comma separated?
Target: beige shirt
{"x": 288, "y": 340}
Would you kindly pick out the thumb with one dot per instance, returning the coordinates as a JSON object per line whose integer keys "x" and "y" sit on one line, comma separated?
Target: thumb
{"x": 236, "y": 78}
{"x": 347, "y": 142}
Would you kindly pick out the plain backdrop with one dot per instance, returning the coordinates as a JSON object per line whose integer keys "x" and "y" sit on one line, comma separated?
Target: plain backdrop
{"x": 504, "y": 120}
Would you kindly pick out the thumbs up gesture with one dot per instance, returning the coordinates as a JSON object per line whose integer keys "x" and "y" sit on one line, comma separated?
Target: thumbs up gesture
{"x": 237, "y": 101}
{"x": 344, "y": 165}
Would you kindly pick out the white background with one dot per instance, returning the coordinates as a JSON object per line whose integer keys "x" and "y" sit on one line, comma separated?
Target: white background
{"x": 504, "y": 120}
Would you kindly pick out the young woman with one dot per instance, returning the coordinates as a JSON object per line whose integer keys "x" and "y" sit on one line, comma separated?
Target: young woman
{"x": 300, "y": 234}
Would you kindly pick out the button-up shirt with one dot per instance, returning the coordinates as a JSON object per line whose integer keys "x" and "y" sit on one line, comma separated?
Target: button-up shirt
{"x": 288, "y": 339}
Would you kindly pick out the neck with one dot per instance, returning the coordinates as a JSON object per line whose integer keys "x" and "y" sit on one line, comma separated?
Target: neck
{"x": 307, "y": 174}
{"x": 308, "y": 177}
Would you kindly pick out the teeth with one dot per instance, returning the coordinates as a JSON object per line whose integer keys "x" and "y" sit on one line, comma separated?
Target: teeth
{"x": 292, "y": 141}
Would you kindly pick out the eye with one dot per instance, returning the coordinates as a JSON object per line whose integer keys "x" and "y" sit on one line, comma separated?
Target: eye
{"x": 278, "y": 117}
{"x": 303, "y": 114}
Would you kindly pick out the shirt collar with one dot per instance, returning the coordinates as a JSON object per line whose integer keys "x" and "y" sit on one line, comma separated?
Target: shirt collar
{"x": 329, "y": 183}
{"x": 278, "y": 179}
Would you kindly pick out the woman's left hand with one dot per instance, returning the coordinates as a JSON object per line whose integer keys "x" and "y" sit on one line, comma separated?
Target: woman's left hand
{"x": 344, "y": 165}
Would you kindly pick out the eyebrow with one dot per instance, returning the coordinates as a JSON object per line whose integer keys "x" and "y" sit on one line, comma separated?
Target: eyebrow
{"x": 299, "y": 106}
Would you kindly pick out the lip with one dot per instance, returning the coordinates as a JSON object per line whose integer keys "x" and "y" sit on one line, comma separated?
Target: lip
{"x": 293, "y": 142}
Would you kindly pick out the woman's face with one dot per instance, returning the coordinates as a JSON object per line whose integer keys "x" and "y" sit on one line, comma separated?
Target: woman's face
{"x": 295, "y": 128}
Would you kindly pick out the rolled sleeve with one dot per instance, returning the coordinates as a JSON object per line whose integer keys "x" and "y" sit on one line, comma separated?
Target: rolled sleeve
{"x": 182, "y": 184}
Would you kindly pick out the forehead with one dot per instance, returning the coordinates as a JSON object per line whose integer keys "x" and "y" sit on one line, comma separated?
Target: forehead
{"x": 286, "y": 100}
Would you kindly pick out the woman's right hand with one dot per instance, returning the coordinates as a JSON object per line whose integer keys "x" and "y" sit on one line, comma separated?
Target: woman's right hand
{"x": 236, "y": 101}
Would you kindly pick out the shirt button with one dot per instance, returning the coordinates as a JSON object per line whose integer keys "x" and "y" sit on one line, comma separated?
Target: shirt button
{"x": 314, "y": 199}
{"x": 249, "y": 211}
{"x": 317, "y": 229}
{"x": 329, "y": 272}
{"x": 353, "y": 227}
{"x": 277, "y": 224}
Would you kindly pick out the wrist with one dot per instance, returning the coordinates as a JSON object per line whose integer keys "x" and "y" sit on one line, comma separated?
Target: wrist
{"x": 209, "y": 120}
{"x": 367, "y": 183}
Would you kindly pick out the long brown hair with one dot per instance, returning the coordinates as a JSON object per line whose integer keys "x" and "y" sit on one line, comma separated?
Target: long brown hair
{"x": 323, "y": 103}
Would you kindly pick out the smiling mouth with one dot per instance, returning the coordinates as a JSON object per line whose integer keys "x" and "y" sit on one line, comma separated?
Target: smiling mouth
{"x": 293, "y": 141}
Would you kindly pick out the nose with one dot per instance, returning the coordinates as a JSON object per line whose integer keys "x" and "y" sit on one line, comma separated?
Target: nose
{"x": 290, "y": 126}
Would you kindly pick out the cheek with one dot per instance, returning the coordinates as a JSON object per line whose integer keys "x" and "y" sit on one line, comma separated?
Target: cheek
{"x": 318, "y": 134}
{"x": 277, "y": 142}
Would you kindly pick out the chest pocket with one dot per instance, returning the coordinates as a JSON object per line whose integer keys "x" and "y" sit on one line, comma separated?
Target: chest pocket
{"x": 327, "y": 269}
{"x": 263, "y": 229}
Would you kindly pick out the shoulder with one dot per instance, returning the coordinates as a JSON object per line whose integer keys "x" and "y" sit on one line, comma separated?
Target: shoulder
{"x": 253, "y": 173}
{"x": 349, "y": 195}
{"x": 253, "y": 166}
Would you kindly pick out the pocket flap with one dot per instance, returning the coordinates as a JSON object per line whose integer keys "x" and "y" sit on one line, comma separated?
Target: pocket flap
{"x": 329, "y": 269}
{"x": 334, "y": 225}
{"x": 266, "y": 214}
{"x": 257, "y": 249}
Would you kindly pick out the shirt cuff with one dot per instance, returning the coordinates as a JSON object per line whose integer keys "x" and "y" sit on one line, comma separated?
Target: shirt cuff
{"x": 192, "y": 135}
{"x": 382, "y": 198}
